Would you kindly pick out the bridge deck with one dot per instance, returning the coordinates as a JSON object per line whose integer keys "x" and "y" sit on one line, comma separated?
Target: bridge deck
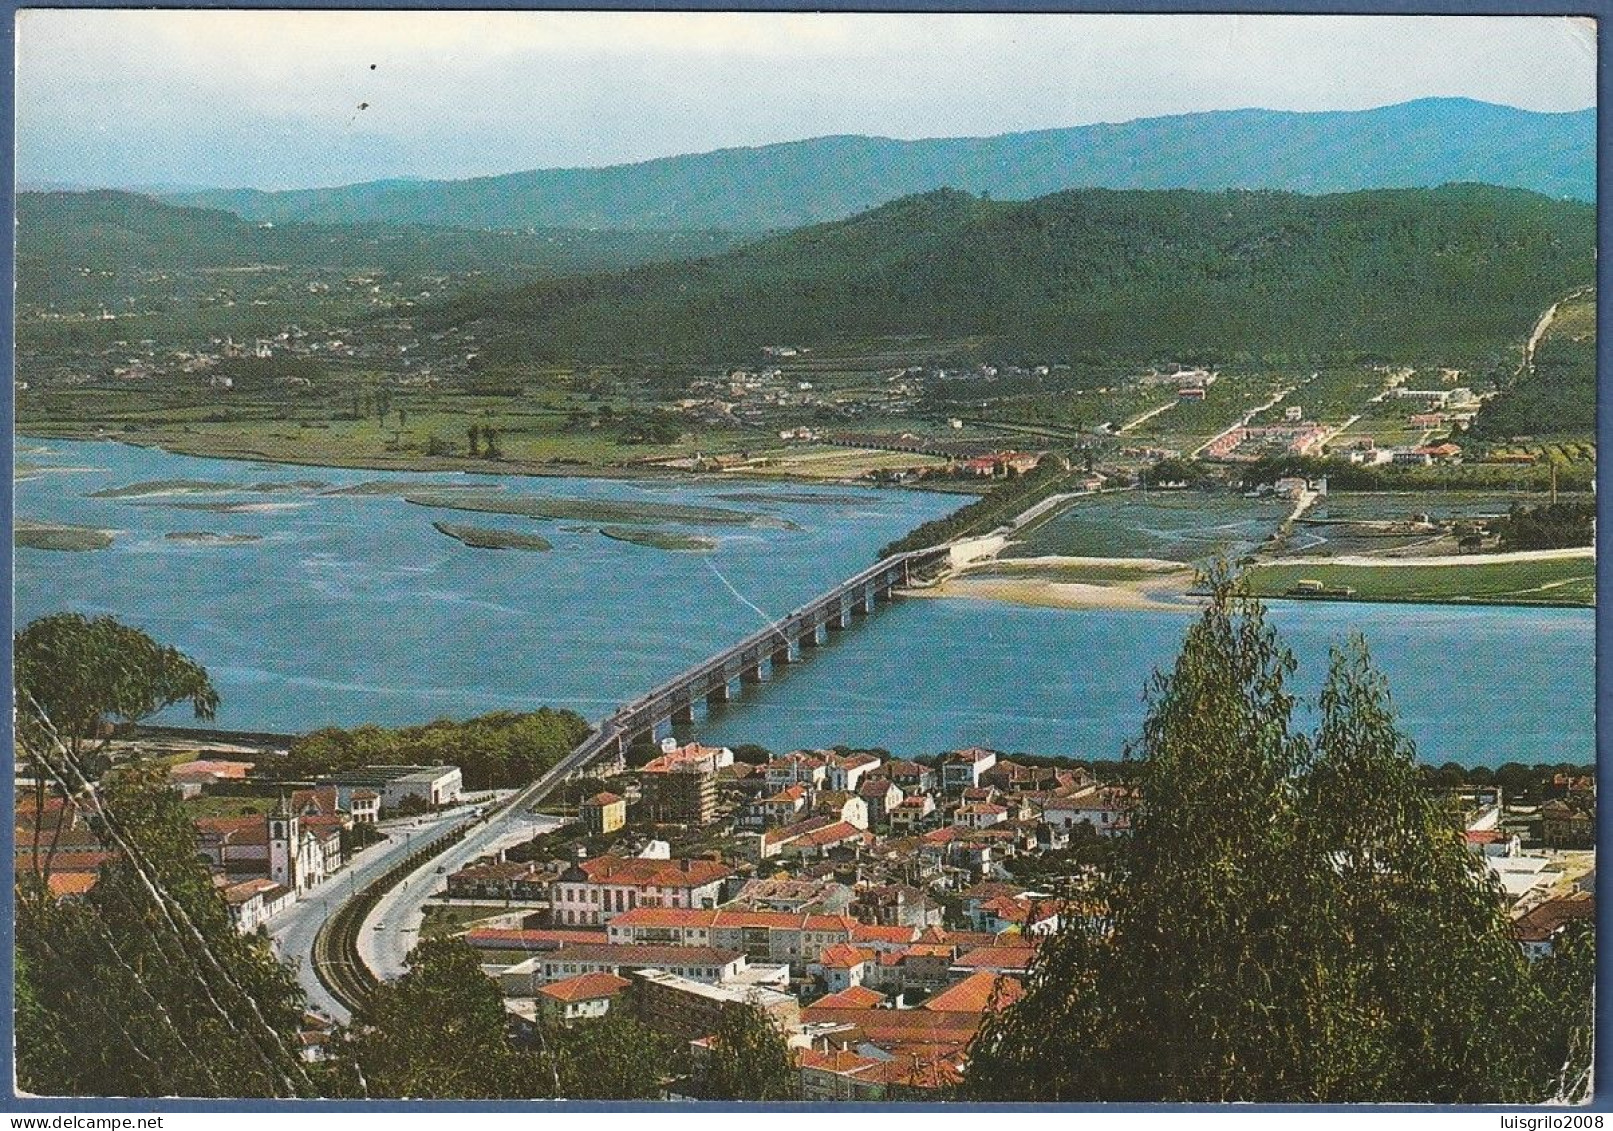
{"x": 682, "y": 690}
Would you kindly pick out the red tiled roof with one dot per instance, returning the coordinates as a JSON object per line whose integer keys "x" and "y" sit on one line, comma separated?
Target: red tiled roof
{"x": 508, "y": 938}
{"x": 320, "y": 801}
{"x": 976, "y": 993}
{"x": 682, "y": 917}
{"x": 234, "y": 830}
{"x": 855, "y": 997}
{"x": 72, "y": 883}
{"x": 600, "y": 800}
{"x": 634, "y": 955}
{"x": 634, "y": 872}
{"x": 839, "y": 1061}
{"x": 585, "y": 987}
{"x": 998, "y": 958}
{"x": 690, "y": 756}
{"x": 246, "y": 889}
{"x": 660, "y": 917}
{"x": 843, "y": 956}
{"x": 799, "y": 757}
{"x": 870, "y": 932}
{"x": 1541, "y": 922}
{"x": 830, "y": 834}
{"x": 919, "y": 1069}
{"x": 77, "y": 861}
{"x": 891, "y": 1028}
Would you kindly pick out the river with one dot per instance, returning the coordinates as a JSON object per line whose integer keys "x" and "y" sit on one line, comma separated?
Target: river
{"x": 353, "y": 609}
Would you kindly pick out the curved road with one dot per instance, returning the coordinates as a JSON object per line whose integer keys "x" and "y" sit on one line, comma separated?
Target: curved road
{"x": 291, "y": 933}
{"x": 393, "y": 927}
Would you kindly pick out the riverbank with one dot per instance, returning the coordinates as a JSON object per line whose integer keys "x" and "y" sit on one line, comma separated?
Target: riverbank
{"x": 1554, "y": 578}
{"x": 209, "y": 446}
{"x": 1541, "y": 578}
{"x": 1075, "y": 583}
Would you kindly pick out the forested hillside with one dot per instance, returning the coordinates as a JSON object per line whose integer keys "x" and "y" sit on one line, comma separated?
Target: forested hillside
{"x": 1425, "y": 143}
{"x": 1460, "y": 271}
{"x": 1556, "y": 394}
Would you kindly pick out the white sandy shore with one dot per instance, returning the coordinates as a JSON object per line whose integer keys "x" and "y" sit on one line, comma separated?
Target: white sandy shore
{"x": 1157, "y": 584}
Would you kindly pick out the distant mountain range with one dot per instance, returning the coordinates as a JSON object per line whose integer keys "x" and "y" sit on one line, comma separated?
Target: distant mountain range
{"x": 1459, "y": 273}
{"x": 1425, "y": 143}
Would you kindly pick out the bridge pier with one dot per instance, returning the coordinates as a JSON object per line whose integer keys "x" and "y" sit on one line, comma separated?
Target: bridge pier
{"x": 864, "y": 603}
{"x": 683, "y": 714}
{"x": 722, "y": 693}
{"x": 781, "y": 657}
{"x": 751, "y": 673}
{"x": 812, "y": 638}
{"x": 839, "y": 619}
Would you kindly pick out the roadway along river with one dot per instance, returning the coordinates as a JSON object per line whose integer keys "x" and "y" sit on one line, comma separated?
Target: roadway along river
{"x": 293, "y": 930}
{"x": 353, "y": 609}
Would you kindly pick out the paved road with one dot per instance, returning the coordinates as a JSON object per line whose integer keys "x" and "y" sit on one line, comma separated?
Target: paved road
{"x": 292, "y": 931}
{"x": 393, "y": 926}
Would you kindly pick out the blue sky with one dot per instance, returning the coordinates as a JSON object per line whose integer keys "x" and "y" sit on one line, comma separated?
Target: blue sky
{"x": 272, "y": 99}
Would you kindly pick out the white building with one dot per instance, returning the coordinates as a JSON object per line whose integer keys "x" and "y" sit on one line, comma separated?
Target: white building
{"x": 592, "y": 892}
{"x": 431, "y": 786}
{"x": 255, "y": 902}
{"x": 845, "y": 771}
{"x": 961, "y": 769}
{"x": 299, "y": 857}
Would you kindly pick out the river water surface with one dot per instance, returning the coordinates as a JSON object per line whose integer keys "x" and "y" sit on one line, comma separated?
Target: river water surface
{"x": 352, "y": 609}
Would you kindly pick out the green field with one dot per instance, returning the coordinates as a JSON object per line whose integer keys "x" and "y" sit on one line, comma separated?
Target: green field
{"x": 1072, "y": 573}
{"x": 1180, "y": 526}
{"x": 449, "y": 922}
{"x": 1552, "y": 581}
{"x": 209, "y": 806}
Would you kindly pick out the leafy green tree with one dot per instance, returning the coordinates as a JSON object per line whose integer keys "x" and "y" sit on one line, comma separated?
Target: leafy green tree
{"x": 499, "y": 750}
{"x": 1291, "y": 919}
{"x": 748, "y": 1059}
{"x": 1568, "y": 978}
{"x": 74, "y": 677}
{"x": 439, "y": 1032}
{"x": 144, "y": 987}
{"x": 1434, "y": 999}
{"x": 614, "y": 1057}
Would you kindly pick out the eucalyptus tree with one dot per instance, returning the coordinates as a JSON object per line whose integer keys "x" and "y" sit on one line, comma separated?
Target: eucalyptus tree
{"x": 1293, "y": 917}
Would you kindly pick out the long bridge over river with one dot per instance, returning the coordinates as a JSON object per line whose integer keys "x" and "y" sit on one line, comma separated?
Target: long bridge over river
{"x": 786, "y": 641}
{"x": 335, "y": 957}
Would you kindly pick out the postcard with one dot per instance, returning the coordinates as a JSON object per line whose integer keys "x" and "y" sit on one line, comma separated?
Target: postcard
{"x": 834, "y": 557}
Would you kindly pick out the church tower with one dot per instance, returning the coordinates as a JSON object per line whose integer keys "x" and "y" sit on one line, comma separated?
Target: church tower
{"x": 283, "y": 844}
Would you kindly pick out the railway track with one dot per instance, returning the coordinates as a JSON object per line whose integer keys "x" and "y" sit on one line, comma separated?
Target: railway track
{"x": 335, "y": 955}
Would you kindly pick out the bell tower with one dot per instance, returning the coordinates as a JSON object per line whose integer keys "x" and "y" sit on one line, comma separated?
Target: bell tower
{"x": 283, "y": 843}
